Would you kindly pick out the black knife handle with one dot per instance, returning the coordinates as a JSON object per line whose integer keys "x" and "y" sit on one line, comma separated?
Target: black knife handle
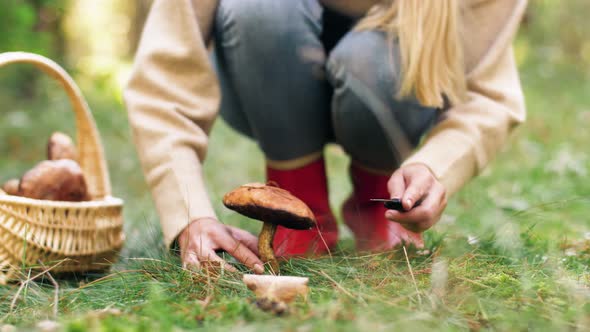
{"x": 394, "y": 204}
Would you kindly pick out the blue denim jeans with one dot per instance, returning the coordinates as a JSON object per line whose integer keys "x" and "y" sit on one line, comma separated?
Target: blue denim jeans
{"x": 284, "y": 87}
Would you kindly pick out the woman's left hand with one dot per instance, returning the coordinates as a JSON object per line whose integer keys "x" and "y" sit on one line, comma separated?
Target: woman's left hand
{"x": 414, "y": 184}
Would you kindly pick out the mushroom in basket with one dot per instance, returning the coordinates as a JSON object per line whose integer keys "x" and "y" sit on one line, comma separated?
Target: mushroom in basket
{"x": 11, "y": 187}
{"x": 58, "y": 179}
{"x": 273, "y": 206}
{"x": 61, "y": 146}
{"x": 55, "y": 180}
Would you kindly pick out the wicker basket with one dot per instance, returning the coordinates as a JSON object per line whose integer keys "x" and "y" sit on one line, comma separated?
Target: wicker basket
{"x": 71, "y": 236}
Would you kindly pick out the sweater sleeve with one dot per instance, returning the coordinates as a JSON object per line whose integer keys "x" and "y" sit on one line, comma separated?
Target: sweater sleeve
{"x": 470, "y": 134}
{"x": 172, "y": 98}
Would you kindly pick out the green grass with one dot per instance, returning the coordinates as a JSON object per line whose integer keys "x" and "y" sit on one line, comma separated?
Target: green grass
{"x": 511, "y": 253}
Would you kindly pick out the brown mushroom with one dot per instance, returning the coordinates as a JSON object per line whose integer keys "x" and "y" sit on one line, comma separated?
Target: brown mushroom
{"x": 56, "y": 180}
{"x": 61, "y": 146}
{"x": 273, "y": 206}
{"x": 274, "y": 293}
{"x": 11, "y": 187}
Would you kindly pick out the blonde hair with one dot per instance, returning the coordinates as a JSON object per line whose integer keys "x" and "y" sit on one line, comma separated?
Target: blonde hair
{"x": 430, "y": 47}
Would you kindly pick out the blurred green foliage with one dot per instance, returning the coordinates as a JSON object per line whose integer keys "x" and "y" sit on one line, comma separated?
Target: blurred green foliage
{"x": 32, "y": 26}
{"x": 554, "y": 32}
{"x": 558, "y": 31}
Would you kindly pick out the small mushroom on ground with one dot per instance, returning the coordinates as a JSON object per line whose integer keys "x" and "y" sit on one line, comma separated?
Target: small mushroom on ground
{"x": 61, "y": 146}
{"x": 11, "y": 187}
{"x": 274, "y": 293}
{"x": 55, "y": 180}
{"x": 273, "y": 206}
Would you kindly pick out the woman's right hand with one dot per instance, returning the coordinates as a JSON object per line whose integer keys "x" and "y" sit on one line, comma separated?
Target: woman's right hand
{"x": 199, "y": 241}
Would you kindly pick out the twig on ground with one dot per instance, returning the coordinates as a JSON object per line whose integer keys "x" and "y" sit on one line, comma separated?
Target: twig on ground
{"x": 103, "y": 278}
{"x": 17, "y": 294}
{"x": 412, "y": 274}
{"x": 55, "y": 293}
{"x": 484, "y": 315}
{"x": 152, "y": 260}
{"x": 342, "y": 289}
{"x": 24, "y": 283}
{"x": 474, "y": 282}
{"x": 326, "y": 245}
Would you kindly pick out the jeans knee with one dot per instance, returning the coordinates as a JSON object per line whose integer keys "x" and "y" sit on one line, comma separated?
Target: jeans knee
{"x": 233, "y": 16}
{"x": 364, "y": 71}
{"x": 259, "y": 22}
{"x": 369, "y": 56}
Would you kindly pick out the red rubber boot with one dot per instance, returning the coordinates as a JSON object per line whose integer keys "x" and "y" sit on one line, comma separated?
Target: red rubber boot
{"x": 366, "y": 219}
{"x": 309, "y": 184}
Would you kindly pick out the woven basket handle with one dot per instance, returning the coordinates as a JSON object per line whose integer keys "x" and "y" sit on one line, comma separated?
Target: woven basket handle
{"x": 90, "y": 150}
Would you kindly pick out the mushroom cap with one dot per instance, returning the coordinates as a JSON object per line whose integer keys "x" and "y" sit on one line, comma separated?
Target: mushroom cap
{"x": 55, "y": 180}
{"x": 11, "y": 187}
{"x": 270, "y": 204}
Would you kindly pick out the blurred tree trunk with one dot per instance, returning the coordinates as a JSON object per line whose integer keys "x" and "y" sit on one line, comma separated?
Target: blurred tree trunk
{"x": 49, "y": 16}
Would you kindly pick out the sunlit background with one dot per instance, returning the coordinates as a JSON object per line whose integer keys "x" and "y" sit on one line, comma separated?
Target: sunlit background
{"x": 516, "y": 237}
{"x": 96, "y": 40}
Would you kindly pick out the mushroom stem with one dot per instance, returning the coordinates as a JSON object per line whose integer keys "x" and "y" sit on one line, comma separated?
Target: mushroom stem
{"x": 267, "y": 254}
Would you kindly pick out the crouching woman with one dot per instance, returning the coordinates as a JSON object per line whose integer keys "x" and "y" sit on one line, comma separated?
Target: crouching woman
{"x": 420, "y": 94}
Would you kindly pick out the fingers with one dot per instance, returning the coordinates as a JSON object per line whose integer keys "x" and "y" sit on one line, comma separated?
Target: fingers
{"x": 411, "y": 238}
{"x": 241, "y": 252}
{"x": 195, "y": 259}
{"x": 211, "y": 260}
{"x": 201, "y": 238}
{"x": 396, "y": 185}
{"x": 417, "y": 188}
{"x": 426, "y": 214}
{"x": 245, "y": 237}
{"x": 191, "y": 261}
